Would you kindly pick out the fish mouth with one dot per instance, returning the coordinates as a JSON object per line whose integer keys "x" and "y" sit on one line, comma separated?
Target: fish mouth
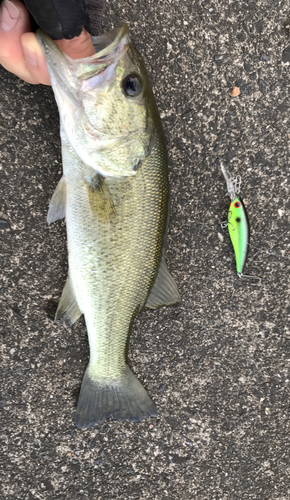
{"x": 108, "y": 44}
{"x": 110, "y": 47}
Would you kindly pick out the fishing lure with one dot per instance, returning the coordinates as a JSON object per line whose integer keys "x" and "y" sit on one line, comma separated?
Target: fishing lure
{"x": 237, "y": 222}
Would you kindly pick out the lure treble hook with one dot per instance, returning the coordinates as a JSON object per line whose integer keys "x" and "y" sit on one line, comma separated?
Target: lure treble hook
{"x": 233, "y": 184}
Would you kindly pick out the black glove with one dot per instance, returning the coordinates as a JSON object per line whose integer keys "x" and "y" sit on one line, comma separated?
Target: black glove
{"x": 66, "y": 18}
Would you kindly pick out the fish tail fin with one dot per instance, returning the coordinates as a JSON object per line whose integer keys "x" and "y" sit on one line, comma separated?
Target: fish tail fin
{"x": 122, "y": 399}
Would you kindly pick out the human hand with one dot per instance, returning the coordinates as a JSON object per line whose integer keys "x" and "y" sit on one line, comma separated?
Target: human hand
{"x": 20, "y": 51}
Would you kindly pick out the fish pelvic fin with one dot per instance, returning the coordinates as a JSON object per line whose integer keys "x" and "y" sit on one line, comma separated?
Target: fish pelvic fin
{"x": 68, "y": 307}
{"x": 122, "y": 398}
{"x": 164, "y": 291}
{"x": 57, "y": 203}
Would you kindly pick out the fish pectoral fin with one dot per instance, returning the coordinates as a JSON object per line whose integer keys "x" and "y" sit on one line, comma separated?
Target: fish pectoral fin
{"x": 164, "y": 291}
{"x": 100, "y": 199}
{"x": 57, "y": 203}
{"x": 68, "y": 306}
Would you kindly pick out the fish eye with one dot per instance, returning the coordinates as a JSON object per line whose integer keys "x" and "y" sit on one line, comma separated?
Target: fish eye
{"x": 132, "y": 85}
{"x": 237, "y": 204}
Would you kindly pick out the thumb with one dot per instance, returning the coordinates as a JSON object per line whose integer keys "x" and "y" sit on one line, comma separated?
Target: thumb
{"x": 78, "y": 47}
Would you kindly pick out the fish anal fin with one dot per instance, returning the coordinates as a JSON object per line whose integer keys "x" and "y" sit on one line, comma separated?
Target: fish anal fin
{"x": 68, "y": 307}
{"x": 57, "y": 203}
{"x": 164, "y": 291}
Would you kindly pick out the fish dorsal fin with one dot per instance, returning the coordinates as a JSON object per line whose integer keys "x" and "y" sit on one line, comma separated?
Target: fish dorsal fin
{"x": 57, "y": 203}
{"x": 68, "y": 306}
{"x": 164, "y": 291}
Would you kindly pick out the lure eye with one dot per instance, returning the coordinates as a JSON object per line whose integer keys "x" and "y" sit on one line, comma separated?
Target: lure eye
{"x": 132, "y": 85}
{"x": 237, "y": 204}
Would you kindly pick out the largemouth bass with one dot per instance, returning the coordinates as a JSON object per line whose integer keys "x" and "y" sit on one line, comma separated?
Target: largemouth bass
{"x": 114, "y": 195}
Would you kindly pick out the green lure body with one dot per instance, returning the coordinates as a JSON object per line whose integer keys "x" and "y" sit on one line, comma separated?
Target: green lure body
{"x": 239, "y": 232}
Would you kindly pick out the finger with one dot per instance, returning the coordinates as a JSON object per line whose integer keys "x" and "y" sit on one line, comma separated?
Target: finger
{"x": 78, "y": 47}
{"x": 20, "y": 51}
{"x": 35, "y": 59}
{"x": 14, "y": 21}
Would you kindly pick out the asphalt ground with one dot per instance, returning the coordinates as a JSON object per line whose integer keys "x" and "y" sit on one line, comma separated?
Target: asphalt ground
{"x": 217, "y": 365}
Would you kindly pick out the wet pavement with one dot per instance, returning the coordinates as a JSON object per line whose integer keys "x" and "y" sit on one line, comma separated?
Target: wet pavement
{"x": 217, "y": 365}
